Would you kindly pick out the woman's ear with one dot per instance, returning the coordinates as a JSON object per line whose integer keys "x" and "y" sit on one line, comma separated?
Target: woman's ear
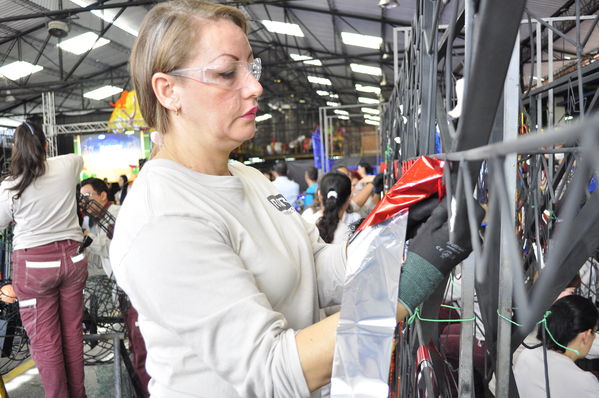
{"x": 164, "y": 88}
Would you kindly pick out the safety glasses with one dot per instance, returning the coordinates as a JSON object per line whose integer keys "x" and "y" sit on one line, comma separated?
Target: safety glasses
{"x": 229, "y": 75}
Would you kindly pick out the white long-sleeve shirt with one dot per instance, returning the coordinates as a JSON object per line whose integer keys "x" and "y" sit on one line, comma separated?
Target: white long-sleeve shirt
{"x": 47, "y": 210}
{"x": 565, "y": 378}
{"x": 223, "y": 273}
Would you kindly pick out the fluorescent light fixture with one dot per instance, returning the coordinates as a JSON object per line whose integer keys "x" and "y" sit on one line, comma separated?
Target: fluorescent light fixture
{"x": 341, "y": 112}
{"x": 298, "y": 57}
{"x": 108, "y": 16}
{"x": 333, "y": 103}
{"x": 372, "y": 117}
{"x": 343, "y": 117}
{"x": 366, "y": 100}
{"x": 284, "y": 28}
{"x": 369, "y": 70}
{"x": 319, "y": 80}
{"x": 372, "y": 122}
{"x": 307, "y": 60}
{"x": 323, "y": 93}
{"x": 102, "y": 92}
{"x": 334, "y": 95}
{"x": 368, "y": 89}
{"x": 355, "y": 39}
{"x": 567, "y": 57}
{"x": 264, "y": 117}
{"x": 315, "y": 62}
{"x": 19, "y": 69}
{"x": 129, "y": 132}
{"x": 83, "y": 43}
{"x": 370, "y": 110}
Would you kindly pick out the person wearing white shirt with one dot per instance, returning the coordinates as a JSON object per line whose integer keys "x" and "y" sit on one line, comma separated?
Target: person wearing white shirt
{"x": 287, "y": 187}
{"x": 570, "y": 331}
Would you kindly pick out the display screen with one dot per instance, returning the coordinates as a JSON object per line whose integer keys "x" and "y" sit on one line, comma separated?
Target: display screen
{"x": 110, "y": 155}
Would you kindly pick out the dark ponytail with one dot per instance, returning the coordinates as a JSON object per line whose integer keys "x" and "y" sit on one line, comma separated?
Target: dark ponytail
{"x": 28, "y": 160}
{"x": 335, "y": 189}
{"x": 569, "y": 316}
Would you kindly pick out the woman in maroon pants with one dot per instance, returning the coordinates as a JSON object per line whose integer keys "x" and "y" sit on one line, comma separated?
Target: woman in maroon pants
{"x": 48, "y": 272}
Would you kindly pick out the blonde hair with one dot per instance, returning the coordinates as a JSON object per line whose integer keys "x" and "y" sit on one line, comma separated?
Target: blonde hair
{"x": 165, "y": 38}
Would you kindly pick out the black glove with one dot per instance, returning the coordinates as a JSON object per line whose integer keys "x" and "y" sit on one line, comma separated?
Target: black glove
{"x": 378, "y": 183}
{"x": 432, "y": 240}
{"x": 419, "y": 213}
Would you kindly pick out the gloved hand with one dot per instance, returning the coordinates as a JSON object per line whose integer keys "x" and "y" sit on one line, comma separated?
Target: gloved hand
{"x": 432, "y": 240}
{"x": 378, "y": 183}
{"x": 431, "y": 256}
{"x": 419, "y": 213}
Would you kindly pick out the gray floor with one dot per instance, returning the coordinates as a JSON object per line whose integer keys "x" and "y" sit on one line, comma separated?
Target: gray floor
{"x": 99, "y": 383}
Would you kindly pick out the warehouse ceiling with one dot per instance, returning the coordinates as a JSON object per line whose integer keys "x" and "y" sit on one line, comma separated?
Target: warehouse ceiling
{"x": 25, "y": 36}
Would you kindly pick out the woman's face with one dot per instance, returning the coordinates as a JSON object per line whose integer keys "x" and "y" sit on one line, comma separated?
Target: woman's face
{"x": 219, "y": 116}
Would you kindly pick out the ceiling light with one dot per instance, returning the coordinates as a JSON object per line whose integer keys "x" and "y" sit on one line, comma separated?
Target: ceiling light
{"x": 373, "y": 122}
{"x": 313, "y": 62}
{"x": 298, "y": 57}
{"x": 343, "y": 117}
{"x": 567, "y": 57}
{"x": 334, "y": 95}
{"x": 102, "y": 92}
{"x": 19, "y": 69}
{"x": 83, "y": 43}
{"x": 283, "y": 28}
{"x": 370, "y": 110}
{"x": 386, "y": 4}
{"x": 366, "y": 100}
{"x": 108, "y": 16}
{"x": 372, "y": 117}
{"x": 355, "y": 39}
{"x": 319, "y": 80}
{"x": 333, "y": 103}
{"x": 307, "y": 60}
{"x": 341, "y": 112}
{"x": 323, "y": 93}
{"x": 368, "y": 89}
{"x": 264, "y": 117}
{"x": 369, "y": 70}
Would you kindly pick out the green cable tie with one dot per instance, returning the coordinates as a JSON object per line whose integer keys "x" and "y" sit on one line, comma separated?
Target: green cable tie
{"x": 544, "y": 320}
{"x": 417, "y": 315}
{"x": 508, "y": 319}
{"x": 414, "y": 315}
{"x": 450, "y": 306}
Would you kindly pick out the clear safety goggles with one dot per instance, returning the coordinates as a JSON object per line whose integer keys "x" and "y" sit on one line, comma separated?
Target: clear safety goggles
{"x": 229, "y": 75}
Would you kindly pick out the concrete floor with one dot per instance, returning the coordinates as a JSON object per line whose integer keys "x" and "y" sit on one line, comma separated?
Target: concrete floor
{"x": 99, "y": 383}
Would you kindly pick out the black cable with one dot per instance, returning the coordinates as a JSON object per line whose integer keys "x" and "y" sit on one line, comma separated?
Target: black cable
{"x": 547, "y": 392}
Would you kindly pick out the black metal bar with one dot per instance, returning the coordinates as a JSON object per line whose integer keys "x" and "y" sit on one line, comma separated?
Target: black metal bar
{"x": 73, "y": 11}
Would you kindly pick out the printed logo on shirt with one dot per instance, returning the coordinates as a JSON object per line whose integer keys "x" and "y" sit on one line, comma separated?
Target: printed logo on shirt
{"x": 280, "y": 203}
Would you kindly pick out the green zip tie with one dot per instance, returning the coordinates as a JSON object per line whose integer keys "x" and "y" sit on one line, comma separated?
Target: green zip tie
{"x": 508, "y": 319}
{"x": 543, "y": 321}
{"x": 417, "y": 315}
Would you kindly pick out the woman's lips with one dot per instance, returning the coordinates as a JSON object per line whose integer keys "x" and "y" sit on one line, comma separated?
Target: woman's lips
{"x": 251, "y": 114}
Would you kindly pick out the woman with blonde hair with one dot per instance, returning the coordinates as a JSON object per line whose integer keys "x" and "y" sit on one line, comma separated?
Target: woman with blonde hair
{"x": 227, "y": 278}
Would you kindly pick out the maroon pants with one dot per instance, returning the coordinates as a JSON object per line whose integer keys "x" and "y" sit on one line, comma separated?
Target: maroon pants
{"x": 49, "y": 282}
{"x": 137, "y": 345}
